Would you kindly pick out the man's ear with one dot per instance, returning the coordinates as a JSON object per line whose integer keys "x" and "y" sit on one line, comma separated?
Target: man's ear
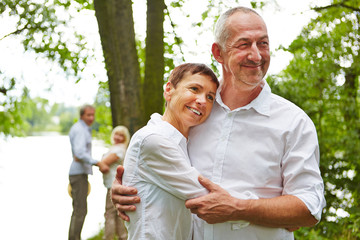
{"x": 216, "y": 51}
{"x": 167, "y": 91}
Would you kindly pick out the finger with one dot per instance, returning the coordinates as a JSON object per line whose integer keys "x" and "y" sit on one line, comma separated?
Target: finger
{"x": 123, "y": 216}
{"x": 193, "y": 204}
{"x": 121, "y": 195}
{"x": 123, "y": 208}
{"x": 118, "y": 190}
{"x": 194, "y": 210}
{"x": 209, "y": 185}
{"x": 119, "y": 173}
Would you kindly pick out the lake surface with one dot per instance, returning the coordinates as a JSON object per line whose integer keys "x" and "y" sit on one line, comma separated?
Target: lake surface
{"x": 34, "y": 202}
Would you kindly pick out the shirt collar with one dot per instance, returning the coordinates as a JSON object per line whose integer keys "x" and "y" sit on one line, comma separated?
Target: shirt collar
{"x": 84, "y": 124}
{"x": 261, "y": 103}
{"x": 168, "y": 130}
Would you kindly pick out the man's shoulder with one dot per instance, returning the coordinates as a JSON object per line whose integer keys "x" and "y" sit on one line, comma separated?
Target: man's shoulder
{"x": 76, "y": 127}
{"x": 285, "y": 104}
{"x": 289, "y": 111}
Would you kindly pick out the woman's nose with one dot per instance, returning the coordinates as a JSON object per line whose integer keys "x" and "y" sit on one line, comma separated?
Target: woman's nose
{"x": 201, "y": 99}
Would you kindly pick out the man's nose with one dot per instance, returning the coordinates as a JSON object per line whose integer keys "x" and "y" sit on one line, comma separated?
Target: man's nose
{"x": 254, "y": 54}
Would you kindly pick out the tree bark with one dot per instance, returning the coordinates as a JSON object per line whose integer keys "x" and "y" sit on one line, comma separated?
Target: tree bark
{"x": 154, "y": 53}
{"x": 116, "y": 28}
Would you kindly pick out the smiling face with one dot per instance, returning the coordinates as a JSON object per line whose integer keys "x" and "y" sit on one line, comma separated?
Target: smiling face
{"x": 190, "y": 103}
{"x": 119, "y": 138}
{"x": 246, "y": 57}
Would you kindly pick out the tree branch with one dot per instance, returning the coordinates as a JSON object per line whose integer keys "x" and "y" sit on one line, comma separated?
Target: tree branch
{"x": 342, "y": 4}
{"x": 17, "y": 31}
{"x": 176, "y": 37}
{"x": 3, "y": 90}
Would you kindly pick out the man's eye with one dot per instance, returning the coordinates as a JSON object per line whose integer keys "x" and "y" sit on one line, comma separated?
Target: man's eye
{"x": 242, "y": 45}
{"x": 194, "y": 88}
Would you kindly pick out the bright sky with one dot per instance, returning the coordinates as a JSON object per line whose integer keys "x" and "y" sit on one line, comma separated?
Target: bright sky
{"x": 284, "y": 20}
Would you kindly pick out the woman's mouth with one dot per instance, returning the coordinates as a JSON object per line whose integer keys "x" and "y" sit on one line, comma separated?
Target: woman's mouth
{"x": 197, "y": 112}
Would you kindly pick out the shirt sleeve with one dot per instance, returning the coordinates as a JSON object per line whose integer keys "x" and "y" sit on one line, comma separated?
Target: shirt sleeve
{"x": 120, "y": 152}
{"x": 163, "y": 164}
{"x": 301, "y": 173}
{"x": 80, "y": 149}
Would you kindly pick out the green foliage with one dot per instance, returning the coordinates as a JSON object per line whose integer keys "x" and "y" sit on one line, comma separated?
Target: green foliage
{"x": 43, "y": 29}
{"x": 38, "y": 116}
{"x": 66, "y": 117}
{"x": 98, "y": 236}
{"x": 13, "y": 113}
{"x": 177, "y": 4}
{"x": 103, "y": 120}
{"x": 323, "y": 79}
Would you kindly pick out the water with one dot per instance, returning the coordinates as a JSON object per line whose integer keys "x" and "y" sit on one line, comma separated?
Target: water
{"x": 34, "y": 203}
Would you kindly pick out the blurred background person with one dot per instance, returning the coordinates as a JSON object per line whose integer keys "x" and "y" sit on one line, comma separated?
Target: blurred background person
{"x": 81, "y": 166}
{"x": 114, "y": 225}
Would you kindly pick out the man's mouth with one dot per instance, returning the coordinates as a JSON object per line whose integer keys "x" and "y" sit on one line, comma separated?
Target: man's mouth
{"x": 194, "y": 110}
{"x": 253, "y": 64}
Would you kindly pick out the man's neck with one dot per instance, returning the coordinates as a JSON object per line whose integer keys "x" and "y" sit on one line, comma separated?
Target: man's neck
{"x": 235, "y": 96}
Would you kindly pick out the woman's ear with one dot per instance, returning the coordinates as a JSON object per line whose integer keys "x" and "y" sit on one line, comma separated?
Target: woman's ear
{"x": 167, "y": 91}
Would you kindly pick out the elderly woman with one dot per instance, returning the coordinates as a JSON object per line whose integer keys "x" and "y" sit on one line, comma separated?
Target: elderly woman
{"x": 114, "y": 225}
{"x": 157, "y": 163}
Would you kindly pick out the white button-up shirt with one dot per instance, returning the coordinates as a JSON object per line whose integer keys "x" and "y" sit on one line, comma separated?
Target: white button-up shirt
{"x": 157, "y": 164}
{"x": 266, "y": 149}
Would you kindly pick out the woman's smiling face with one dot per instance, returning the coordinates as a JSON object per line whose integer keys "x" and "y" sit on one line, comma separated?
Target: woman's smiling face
{"x": 190, "y": 103}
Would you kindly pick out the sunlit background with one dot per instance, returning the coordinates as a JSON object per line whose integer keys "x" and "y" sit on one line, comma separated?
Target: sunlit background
{"x": 44, "y": 79}
{"x": 34, "y": 202}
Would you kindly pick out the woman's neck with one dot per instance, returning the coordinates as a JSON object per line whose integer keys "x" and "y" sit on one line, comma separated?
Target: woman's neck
{"x": 176, "y": 123}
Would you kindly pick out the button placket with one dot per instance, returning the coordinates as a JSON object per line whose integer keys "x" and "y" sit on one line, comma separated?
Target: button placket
{"x": 221, "y": 148}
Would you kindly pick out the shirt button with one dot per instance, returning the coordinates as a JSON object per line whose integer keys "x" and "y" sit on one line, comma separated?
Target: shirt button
{"x": 239, "y": 225}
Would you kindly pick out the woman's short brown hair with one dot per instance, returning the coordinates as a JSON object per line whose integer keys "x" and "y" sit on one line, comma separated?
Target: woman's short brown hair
{"x": 179, "y": 72}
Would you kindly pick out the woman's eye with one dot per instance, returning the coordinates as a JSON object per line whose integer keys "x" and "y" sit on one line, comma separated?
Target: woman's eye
{"x": 210, "y": 97}
{"x": 194, "y": 88}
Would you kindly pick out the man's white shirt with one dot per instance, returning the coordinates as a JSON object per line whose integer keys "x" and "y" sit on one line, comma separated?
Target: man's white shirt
{"x": 265, "y": 149}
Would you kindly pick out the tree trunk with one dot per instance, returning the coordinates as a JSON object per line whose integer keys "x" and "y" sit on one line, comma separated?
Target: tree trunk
{"x": 116, "y": 28}
{"x": 154, "y": 53}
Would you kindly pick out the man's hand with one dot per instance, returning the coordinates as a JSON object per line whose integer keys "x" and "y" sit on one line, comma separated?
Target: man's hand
{"x": 119, "y": 197}
{"x": 215, "y": 207}
{"x": 103, "y": 167}
{"x": 292, "y": 229}
{"x": 76, "y": 159}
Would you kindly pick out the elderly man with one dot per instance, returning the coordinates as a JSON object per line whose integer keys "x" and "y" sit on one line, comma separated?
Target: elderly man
{"x": 259, "y": 150}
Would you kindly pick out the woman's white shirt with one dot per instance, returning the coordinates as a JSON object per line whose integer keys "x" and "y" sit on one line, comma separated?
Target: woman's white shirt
{"x": 157, "y": 164}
